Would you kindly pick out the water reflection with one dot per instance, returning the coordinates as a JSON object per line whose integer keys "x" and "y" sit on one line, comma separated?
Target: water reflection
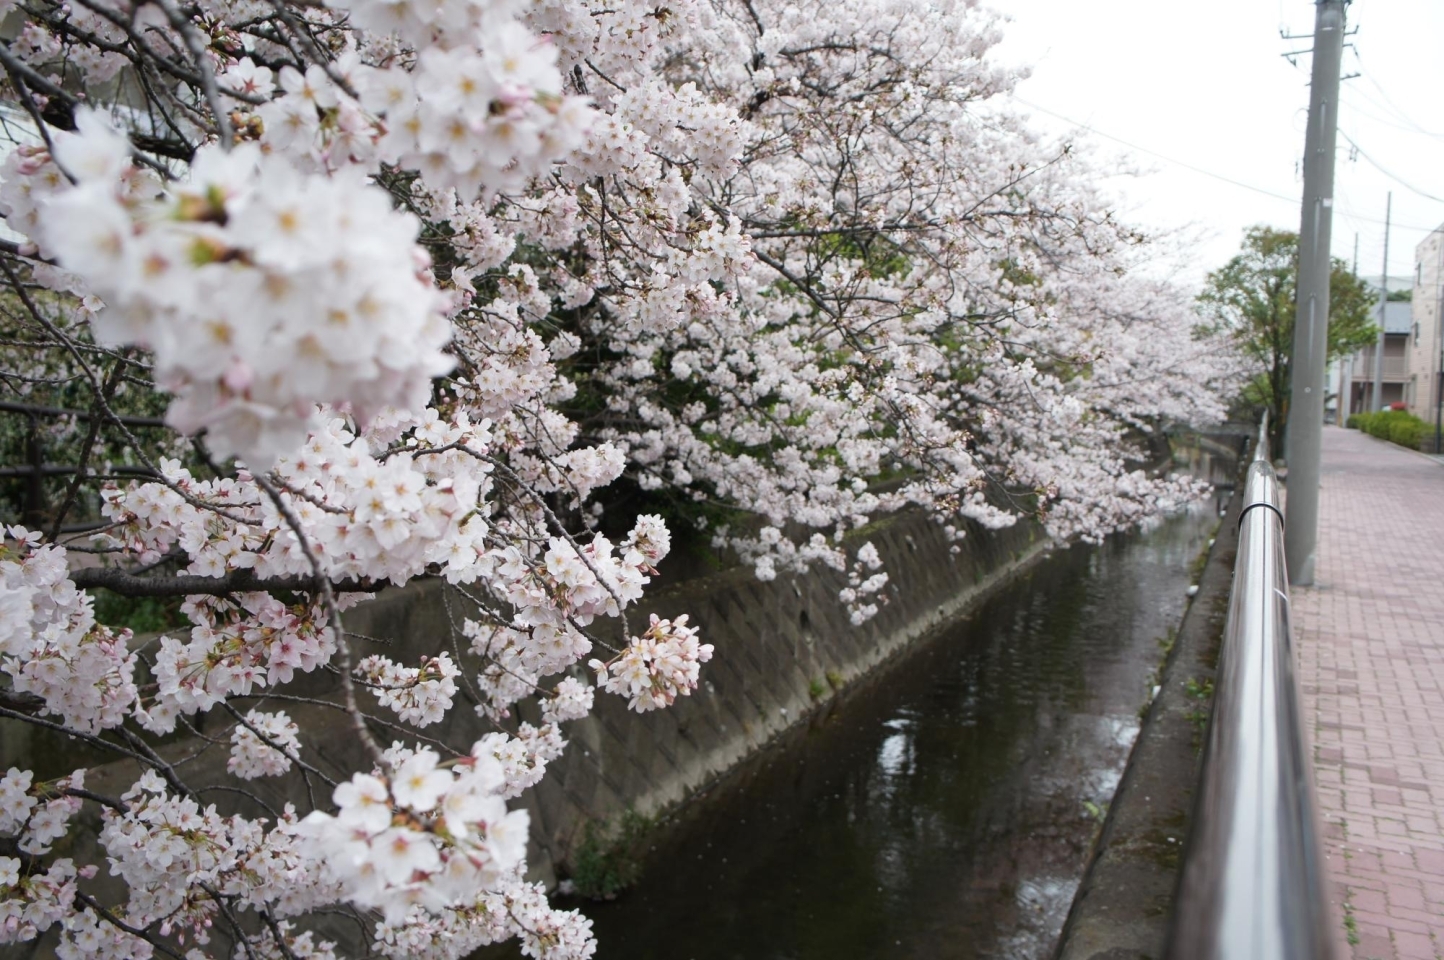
{"x": 940, "y": 812}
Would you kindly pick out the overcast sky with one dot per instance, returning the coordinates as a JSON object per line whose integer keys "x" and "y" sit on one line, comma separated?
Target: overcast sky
{"x": 1206, "y": 85}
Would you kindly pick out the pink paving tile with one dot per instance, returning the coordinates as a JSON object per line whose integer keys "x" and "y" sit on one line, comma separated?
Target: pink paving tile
{"x": 1405, "y": 898}
{"x": 1367, "y": 901}
{"x": 1369, "y": 640}
{"x": 1375, "y": 944}
{"x": 1414, "y": 946}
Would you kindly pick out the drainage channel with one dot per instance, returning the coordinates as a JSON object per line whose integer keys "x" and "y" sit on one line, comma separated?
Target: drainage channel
{"x": 945, "y": 809}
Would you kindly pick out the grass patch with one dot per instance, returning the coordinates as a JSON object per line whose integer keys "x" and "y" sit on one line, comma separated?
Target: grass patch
{"x": 1201, "y": 692}
{"x": 1195, "y": 569}
{"x": 1351, "y": 926}
{"x": 1165, "y": 642}
{"x": 609, "y": 858}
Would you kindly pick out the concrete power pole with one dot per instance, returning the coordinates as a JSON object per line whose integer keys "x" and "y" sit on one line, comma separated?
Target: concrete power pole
{"x": 1346, "y": 364}
{"x": 1378, "y": 403}
{"x": 1305, "y": 434}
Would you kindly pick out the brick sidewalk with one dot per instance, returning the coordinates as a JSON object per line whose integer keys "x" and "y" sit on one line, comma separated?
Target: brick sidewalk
{"x": 1370, "y": 642}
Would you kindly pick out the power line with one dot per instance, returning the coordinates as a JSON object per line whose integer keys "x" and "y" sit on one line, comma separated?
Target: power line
{"x": 1391, "y": 105}
{"x": 1199, "y": 170}
{"x": 1345, "y": 207}
{"x": 1397, "y": 179}
{"x": 1405, "y": 128}
{"x": 1155, "y": 153}
{"x": 1388, "y": 106}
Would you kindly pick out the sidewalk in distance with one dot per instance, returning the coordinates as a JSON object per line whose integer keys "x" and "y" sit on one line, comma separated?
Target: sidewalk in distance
{"x": 1369, "y": 642}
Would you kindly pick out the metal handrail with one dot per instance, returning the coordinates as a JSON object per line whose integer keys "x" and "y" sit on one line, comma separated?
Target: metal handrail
{"x": 1252, "y": 883}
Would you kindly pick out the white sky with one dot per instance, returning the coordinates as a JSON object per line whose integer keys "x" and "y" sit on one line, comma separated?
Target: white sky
{"x": 1205, "y": 84}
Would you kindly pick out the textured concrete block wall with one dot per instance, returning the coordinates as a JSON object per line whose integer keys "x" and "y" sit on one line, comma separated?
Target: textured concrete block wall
{"x": 778, "y": 644}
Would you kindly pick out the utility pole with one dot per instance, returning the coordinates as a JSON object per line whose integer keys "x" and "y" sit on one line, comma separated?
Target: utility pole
{"x": 1378, "y": 403}
{"x": 1346, "y": 364}
{"x": 1305, "y": 436}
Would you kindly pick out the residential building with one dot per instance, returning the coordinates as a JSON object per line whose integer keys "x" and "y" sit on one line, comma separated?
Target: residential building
{"x": 1426, "y": 342}
{"x": 1354, "y": 380}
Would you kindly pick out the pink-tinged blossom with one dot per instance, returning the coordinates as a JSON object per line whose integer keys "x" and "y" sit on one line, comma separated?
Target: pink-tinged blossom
{"x": 266, "y": 750}
{"x": 446, "y": 835}
{"x": 419, "y": 695}
{"x": 656, "y": 667}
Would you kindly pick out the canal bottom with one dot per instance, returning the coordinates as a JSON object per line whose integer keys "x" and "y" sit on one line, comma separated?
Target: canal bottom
{"x": 945, "y": 810}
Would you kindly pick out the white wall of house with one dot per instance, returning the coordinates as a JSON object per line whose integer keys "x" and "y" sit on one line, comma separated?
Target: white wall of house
{"x": 1426, "y": 343}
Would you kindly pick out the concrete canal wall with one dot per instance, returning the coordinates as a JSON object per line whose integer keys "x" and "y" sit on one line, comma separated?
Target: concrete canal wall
{"x": 782, "y": 649}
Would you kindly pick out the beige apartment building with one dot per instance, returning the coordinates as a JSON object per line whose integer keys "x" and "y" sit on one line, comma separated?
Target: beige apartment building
{"x": 1357, "y": 372}
{"x": 1426, "y": 343}
{"x": 1351, "y": 378}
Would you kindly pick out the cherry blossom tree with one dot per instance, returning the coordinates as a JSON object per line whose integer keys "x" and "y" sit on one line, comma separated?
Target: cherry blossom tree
{"x": 319, "y": 299}
{"x": 932, "y": 294}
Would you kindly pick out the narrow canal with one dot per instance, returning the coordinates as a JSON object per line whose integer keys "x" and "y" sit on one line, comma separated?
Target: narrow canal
{"x": 945, "y": 810}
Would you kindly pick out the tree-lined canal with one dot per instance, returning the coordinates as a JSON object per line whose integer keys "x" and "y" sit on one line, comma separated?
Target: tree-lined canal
{"x": 944, "y": 811}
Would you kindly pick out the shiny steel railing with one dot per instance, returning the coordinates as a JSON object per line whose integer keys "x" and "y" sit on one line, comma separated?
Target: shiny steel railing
{"x": 1252, "y": 883}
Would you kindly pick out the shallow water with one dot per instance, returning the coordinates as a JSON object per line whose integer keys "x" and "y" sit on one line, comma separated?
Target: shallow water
{"x": 943, "y": 810}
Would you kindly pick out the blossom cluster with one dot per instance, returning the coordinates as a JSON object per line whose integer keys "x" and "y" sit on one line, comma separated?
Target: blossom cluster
{"x": 38, "y": 814}
{"x": 261, "y": 290}
{"x": 865, "y": 579}
{"x": 474, "y": 120}
{"x": 52, "y": 646}
{"x": 263, "y": 746}
{"x": 239, "y": 644}
{"x": 427, "y": 836}
{"x": 657, "y": 667}
{"x": 518, "y": 910}
{"x": 367, "y": 511}
{"x": 419, "y": 695}
{"x": 36, "y": 901}
{"x": 162, "y": 845}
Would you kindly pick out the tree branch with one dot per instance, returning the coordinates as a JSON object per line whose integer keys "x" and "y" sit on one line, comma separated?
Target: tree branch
{"x": 238, "y": 581}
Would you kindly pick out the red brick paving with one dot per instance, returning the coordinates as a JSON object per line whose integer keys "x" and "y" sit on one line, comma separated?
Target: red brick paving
{"x": 1370, "y": 645}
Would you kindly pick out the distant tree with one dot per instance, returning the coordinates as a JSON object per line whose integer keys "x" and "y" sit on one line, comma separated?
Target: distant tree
{"x": 1400, "y": 296}
{"x": 1254, "y": 295}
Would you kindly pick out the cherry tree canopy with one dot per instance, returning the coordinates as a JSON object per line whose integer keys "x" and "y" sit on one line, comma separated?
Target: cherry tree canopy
{"x": 320, "y": 298}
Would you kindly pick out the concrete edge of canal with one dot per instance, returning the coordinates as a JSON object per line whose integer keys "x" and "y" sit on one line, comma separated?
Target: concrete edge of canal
{"x": 785, "y": 654}
{"x": 1124, "y": 905}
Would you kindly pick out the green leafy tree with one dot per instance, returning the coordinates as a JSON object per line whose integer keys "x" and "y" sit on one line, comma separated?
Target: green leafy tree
{"x": 1254, "y": 295}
